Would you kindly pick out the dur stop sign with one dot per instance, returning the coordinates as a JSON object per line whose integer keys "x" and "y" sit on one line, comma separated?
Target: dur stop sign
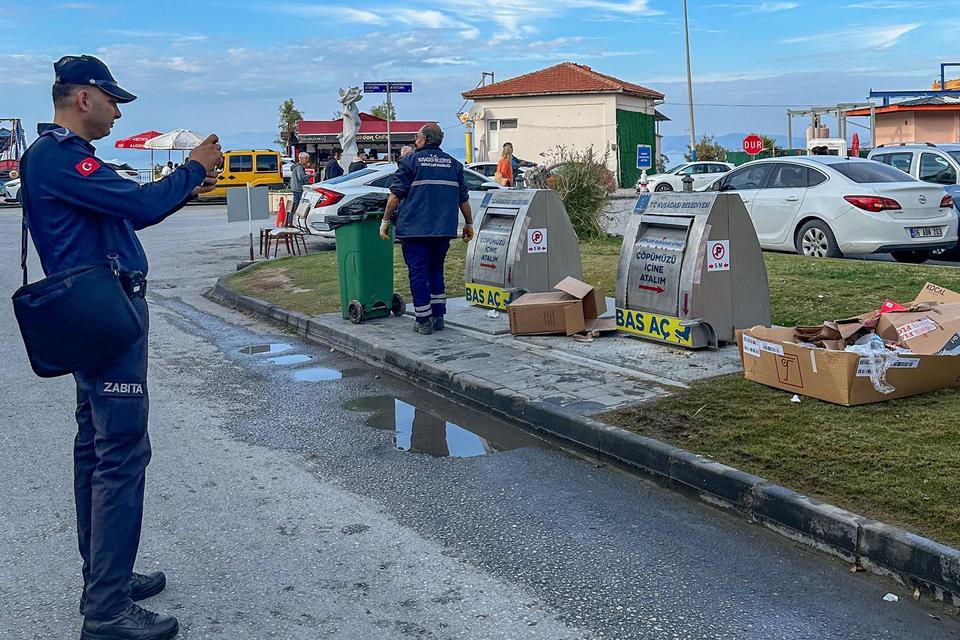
{"x": 753, "y": 144}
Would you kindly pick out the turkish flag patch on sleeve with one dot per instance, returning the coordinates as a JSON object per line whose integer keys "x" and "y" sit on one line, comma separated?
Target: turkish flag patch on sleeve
{"x": 87, "y": 166}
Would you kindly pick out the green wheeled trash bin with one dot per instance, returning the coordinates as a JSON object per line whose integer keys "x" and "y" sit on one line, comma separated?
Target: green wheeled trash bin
{"x": 365, "y": 265}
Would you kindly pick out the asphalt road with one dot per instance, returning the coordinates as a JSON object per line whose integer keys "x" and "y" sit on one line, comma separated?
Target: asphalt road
{"x": 326, "y": 508}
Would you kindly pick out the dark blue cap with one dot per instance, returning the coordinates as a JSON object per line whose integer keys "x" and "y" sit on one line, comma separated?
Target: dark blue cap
{"x": 88, "y": 70}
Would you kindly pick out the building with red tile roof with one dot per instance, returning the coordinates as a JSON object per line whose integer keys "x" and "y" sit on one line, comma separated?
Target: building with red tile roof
{"x": 568, "y": 105}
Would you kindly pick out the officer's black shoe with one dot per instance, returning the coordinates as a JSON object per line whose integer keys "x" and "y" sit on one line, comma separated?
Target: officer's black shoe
{"x": 437, "y": 323}
{"x": 134, "y": 623}
{"x": 141, "y": 587}
{"x": 423, "y": 328}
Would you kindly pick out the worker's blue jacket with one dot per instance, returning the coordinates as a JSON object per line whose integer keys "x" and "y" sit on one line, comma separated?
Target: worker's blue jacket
{"x": 80, "y": 211}
{"x": 430, "y": 186}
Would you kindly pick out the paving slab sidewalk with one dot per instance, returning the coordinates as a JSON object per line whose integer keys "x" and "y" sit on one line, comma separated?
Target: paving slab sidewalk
{"x": 556, "y": 385}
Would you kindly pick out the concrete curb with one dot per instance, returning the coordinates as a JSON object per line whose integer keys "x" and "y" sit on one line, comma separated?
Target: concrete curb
{"x": 913, "y": 560}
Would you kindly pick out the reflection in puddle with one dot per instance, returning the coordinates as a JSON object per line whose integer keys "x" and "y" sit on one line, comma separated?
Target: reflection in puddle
{"x": 316, "y": 374}
{"x": 421, "y": 430}
{"x": 276, "y": 347}
{"x": 294, "y": 359}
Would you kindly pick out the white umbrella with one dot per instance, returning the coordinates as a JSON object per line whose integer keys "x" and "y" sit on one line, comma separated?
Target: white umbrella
{"x": 178, "y": 139}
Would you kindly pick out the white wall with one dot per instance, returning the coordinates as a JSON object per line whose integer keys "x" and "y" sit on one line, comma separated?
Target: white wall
{"x": 544, "y": 122}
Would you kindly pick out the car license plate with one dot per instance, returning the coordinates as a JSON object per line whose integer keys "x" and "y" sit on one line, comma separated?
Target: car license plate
{"x": 926, "y": 232}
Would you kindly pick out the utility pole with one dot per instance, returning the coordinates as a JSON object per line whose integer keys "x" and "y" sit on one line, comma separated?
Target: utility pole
{"x": 693, "y": 133}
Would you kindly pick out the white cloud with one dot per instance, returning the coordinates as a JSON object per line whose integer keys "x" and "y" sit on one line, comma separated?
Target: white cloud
{"x": 858, "y": 38}
{"x": 632, "y": 7}
{"x": 773, "y": 7}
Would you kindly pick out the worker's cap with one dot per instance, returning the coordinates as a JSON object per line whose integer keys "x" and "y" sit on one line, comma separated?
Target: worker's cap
{"x": 87, "y": 70}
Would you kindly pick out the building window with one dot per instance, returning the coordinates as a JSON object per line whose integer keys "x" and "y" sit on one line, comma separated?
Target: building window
{"x": 508, "y": 124}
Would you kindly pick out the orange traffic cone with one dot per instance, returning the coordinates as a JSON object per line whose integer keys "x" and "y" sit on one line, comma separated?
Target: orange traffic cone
{"x": 282, "y": 213}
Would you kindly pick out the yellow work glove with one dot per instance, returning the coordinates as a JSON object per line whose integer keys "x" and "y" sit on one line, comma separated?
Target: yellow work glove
{"x": 384, "y": 230}
{"x": 467, "y": 232}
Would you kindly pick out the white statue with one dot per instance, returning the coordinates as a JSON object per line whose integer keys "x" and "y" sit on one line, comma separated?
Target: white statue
{"x": 350, "y": 115}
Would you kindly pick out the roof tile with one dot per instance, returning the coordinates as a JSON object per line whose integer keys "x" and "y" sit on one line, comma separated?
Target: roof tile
{"x": 566, "y": 77}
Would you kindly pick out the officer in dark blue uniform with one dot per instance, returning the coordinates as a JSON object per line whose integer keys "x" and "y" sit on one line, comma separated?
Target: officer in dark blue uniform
{"x": 430, "y": 184}
{"x": 79, "y": 212}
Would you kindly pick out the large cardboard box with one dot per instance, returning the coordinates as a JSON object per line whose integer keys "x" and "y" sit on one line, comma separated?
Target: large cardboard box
{"x": 771, "y": 357}
{"x": 573, "y": 307}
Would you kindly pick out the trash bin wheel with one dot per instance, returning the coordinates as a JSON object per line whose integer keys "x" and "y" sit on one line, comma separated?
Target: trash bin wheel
{"x": 355, "y": 311}
{"x": 397, "y": 305}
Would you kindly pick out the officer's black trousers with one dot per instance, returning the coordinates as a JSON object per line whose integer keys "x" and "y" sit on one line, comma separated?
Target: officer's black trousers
{"x": 111, "y": 453}
{"x": 425, "y": 258}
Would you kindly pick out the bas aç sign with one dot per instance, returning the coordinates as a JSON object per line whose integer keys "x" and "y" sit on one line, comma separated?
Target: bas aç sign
{"x": 753, "y": 144}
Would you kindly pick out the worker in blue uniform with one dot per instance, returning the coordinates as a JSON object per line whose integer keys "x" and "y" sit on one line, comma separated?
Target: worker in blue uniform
{"x": 430, "y": 185}
{"x": 79, "y": 212}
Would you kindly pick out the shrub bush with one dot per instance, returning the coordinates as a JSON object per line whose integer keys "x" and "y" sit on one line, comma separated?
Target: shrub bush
{"x": 584, "y": 183}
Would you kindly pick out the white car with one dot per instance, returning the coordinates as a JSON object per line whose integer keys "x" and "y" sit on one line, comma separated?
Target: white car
{"x": 325, "y": 198}
{"x": 828, "y": 206}
{"x": 11, "y": 189}
{"x": 703, "y": 173}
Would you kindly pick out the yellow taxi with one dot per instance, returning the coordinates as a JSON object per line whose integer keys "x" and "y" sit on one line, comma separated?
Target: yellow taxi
{"x": 256, "y": 167}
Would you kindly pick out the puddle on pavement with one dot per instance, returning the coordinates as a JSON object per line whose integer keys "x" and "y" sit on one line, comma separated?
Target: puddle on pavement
{"x": 421, "y": 426}
{"x": 317, "y": 374}
{"x": 292, "y": 359}
{"x": 257, "y": 349}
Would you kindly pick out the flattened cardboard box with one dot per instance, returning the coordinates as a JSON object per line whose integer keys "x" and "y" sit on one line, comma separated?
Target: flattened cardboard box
{"x": 770, "y": 357}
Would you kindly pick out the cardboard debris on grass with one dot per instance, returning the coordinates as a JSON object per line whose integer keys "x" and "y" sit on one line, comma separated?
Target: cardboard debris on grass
{"x": 573, "y": 309}
{"x": 892, "y": 352}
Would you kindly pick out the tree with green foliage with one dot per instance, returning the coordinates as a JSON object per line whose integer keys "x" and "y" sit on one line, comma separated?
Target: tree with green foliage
{"x": 383, "y": 110}
{"x": 289, "y": 117}
{"x": 708, "y": 149}
{"x": 769, "y": 144}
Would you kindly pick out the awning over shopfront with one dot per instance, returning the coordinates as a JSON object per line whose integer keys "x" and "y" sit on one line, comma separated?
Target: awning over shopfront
{"x": 373, "y": 132}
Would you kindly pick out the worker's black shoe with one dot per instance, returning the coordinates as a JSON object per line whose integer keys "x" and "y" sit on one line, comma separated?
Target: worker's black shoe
{"x": 423, "y": 328}
{"x": 134, "y": 623}
{"x": 142, "y": 586}
{"x": 437, "y": 322}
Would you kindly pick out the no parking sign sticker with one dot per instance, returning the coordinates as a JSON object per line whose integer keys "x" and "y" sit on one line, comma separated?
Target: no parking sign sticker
{"x": 536, "y": 240}
{"x": 718, "y": 255}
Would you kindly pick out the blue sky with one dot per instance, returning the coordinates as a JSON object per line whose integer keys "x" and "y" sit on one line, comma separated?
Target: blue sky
{"x": 225, "y": 66}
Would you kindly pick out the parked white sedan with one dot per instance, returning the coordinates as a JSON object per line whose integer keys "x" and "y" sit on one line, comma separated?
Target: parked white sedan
{"x": 827, "y": 206}
{"x": 703, "y": 173}
{"x": 325, "y": 198}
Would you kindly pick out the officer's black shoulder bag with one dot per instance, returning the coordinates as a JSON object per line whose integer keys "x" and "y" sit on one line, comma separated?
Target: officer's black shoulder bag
{"x": 76, "y": 319}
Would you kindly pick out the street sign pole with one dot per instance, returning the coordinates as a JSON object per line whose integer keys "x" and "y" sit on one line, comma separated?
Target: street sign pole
{"x": 389, "y": 115}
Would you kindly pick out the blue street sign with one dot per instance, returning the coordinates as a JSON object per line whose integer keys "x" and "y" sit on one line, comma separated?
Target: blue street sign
{"x": 644, "y": 156}
{"x": 381, "y": 87}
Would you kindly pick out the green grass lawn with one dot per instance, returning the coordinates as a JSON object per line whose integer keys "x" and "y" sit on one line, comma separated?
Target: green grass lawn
{"x": 896, "y": 461}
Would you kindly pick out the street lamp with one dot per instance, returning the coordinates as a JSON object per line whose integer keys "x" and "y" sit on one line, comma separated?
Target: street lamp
{"x": 686, "y": 35}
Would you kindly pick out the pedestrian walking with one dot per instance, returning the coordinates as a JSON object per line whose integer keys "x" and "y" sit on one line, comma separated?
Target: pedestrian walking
{"x": 515, "y": 164}
{"x": 504, "y": 174}
{"x": 167, "y": 170}
{"x": 430, "y": 184}
{"x": 80, "y": 212}
{"x": 333, "y": 168}
{"x": 298, "y": 180}
{"x": 360, "y": 162}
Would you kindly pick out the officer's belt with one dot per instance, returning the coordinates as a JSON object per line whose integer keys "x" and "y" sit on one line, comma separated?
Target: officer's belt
{"x": 445, "y": 183}
{"x": 134, "y": 283}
